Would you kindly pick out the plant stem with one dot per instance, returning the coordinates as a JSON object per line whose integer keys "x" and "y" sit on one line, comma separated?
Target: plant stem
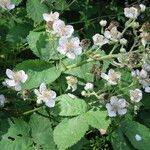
{"x": 33, "y": 110}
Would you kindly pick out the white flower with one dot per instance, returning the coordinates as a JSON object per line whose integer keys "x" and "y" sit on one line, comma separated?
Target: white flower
{"x": 112, "y": 77}
{"x": 45, "y": 95}
{"x": 15, "y": 79}
{"x": 6, "y": 4}
{"x": 2, "y": 100}
{"x": 99, "y": 40}
{"x": 135, "y": 95}
{"x": 143, "y": 7}
{"x": 69, "y": 47}
{"x": 123, "y": 41}
{"x": 131, "y": 12}
{"x": 103, "y": 23}
{"x": 141, "y": 74}
{"x": 113, "y": 34}
{"x": 138, "y": 137}
{"x": 51, "y": 17}
{"x": 116, "y": 106}
{"x": 147, "y": 89}
{"x": 72, "y": 83}
{"x": 89, "y": 87}
{"x": 145, "y": 38}
{"x": 61, "y": 29}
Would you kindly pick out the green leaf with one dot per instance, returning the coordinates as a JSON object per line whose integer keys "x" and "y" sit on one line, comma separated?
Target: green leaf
{"x": 83, "y": 71}
{"x": 131, "y": 129}
{"x": 35, "y": 10}
{"x": 119, "y": 141}
{"x": 18, "y": 33}
{"x": 17, "y": 136}
{"x": 71, "y": 106}
{"x": 69, "y": 132}
{"x": 38, "y": 71}
{"x": 43, "y": 46}
{"x": 97, "y": 119}
{"x": 42, "y": 132}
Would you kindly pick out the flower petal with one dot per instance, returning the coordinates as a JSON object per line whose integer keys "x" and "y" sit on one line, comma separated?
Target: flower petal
{"x": 50, "y": 103}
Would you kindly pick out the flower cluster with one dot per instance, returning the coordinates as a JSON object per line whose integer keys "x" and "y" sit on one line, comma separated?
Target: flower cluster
{"x": 68, "y": 45}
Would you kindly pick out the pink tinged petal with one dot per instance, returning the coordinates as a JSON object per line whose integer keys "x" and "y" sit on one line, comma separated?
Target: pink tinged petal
{"x": 114, "y": 100}
{"x": 104, "y": 76}
{"x": 107, "y": 34}
{"x": 10, "y": 82}
{"x": 61, "y": 50}
{"x": 75, "y": 41}
{"x": 69, "y": 30}
{"x": 46, "y": 17}
{"x": 18, "y": 87}
{"x": 108, "y": 106}
{"x": 42, "y": 87}
{"x": 63, "y": 41}
{"x": 122, "y": 111}
{"x": 50, "y": 103}
{"x": 9, "y": 73}
{"x": 78, "y": 51}
{"x": 11, "y": 6}
{"x": 56, "y": 15}
{"x": 37, "y": 92}
{"x": 53, "y": 94}
{"x": 57, "y": 25}
{"x": 122, "y": 103}
{"x": 112, "y": 114}
{"x": 71, "y": 55}
{"x": 147, "y": 89}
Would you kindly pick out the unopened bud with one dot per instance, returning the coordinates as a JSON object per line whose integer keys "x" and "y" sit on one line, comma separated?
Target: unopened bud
{"x": 103, "y": 23}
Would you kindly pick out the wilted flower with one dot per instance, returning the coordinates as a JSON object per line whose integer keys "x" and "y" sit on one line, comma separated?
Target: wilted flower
{"x": 15, "y": 79}
{"x": 61, "y": 29}
{"x": 116, "y": 106}
{"x": 131, "y": 12}
{"x": 99, "y": 40}
{"x": 89, "y": 87}
{"x": 69, "y": 47}
{"x": 143, "y": 7}
{"x": 45, "y": 95}
{"x": 112, "y": 34}
{"x": 145, "y": 38}
{"x": 103, "y": 23}
{"x": 112, "y": 77}
{"x": 135, "y": 95}
{"x": 51, "y": 17}
{"x": 2, "y": 100}
{"x": 72, "y": 83}
{"x": 6, "y": 4}
{"x": 138, "y": 137}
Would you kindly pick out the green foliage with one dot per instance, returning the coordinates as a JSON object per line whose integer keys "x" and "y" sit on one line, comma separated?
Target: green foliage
{"x": 97, "y": 119}
{"x": 35, "y": 10}
{"x": 131, "y": 129}
{"x": 38, "y": 71}
{"x": 16, "y": 2}
{"x": 43, "y": 46}
{"x": 72, "y": 130}
{"x": 71, "y": 106}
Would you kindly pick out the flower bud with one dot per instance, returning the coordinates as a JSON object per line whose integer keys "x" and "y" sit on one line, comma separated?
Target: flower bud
{"x": 83, "y": 93}
{"x": 103, "y": 23}
{"x": 123, "y": 50}
{"x": 123, "y": 41}
{"x": 135, "y": 25}
{"x": 88, "y": 87}
{"x": 142, "y": 7}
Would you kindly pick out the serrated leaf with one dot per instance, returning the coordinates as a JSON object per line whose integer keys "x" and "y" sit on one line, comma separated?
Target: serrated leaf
{"x": 17, "y": 136}
{"x": 69, "y": 132}
{"x": 131, "y": 129}
{"x": 35, "y": 10}
{"x": 43, "y": 46}
{"x": 71, "y": 106}
{"x": 38, "y": 71}
{"x": 119, "y": 141}
{"x": 42, "y": 132}
{"x": 82, "y": 72}
{"x": 97, "y": 119}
